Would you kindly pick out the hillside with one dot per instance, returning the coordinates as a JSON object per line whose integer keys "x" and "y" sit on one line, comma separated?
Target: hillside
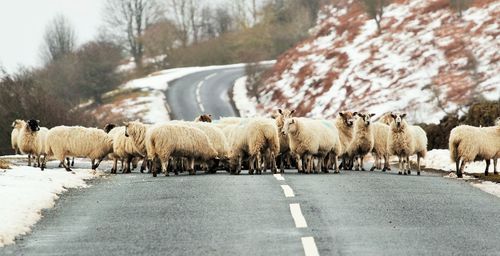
{"x": 425, "y": 61}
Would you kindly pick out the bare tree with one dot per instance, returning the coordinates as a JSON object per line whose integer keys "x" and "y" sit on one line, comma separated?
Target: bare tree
{"x": 129, "y": 19}
{"x": 223, "y": 20}
{"x": 375, "y": 9}
{"x": 59, "y": 39}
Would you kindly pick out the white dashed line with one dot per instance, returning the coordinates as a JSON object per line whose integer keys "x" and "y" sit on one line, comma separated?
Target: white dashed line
{"x": 279, "y": 177}
{"x": 210, "y": 76}
{"x": 298, "y": 218}
{"x": 198, "y": 96}
{"x": 288, "y": 191}
{"x": 309, "y": 245}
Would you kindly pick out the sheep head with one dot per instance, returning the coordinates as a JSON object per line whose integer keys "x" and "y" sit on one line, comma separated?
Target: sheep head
{"x": 398, "y": 118}
{"x": 348, "y": 117}
{"x": 366, "y": 118}
{"x": 33, "y": 125}
{"x": 289, "y": 126}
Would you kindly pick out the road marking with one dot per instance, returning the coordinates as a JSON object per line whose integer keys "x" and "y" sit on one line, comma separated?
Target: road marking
{"x": 309, "y": 245}
{"x": 288, "y": 191}
{"x": 298, "y": 218}
{"x": 198, "y": 96}
{"x": 210, "y": 76}
{"x": 279, "y": 177}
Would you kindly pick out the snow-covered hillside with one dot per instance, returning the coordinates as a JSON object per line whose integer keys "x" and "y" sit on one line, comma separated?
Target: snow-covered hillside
{"x": 424, "y": 54}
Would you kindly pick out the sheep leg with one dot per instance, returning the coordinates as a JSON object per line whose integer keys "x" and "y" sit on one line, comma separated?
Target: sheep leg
{"x": 143, "y": 165}
{"x": 408, "y": 166}
{"x": 335, "y": 165}
{"x": 274, "y": 168}
{"x": 29, "y": 159}
{"x": 362, "y": 158}
{"x": 129, "y": 163}
{"x": 376, "y": 163}
{"x": 191, "y": 166}
{"x": 282, "y": 163}
{"x": 418, "y": 164}
{"x": 164, "y": 165}
{"x": 400, "y": 164}
{"x": 386, "y": 163}
{"x": 115, "y": 165}
{"x": 495, "y": 166}
{"x": 94, "y": 167}
{"x": 488, "y": 162}
{"x": 72, "y": 161}
{"x": 299, "y": 163}
{"x": 65, "y": 165}
{"x": 462, "y": 166}
{"x": 152, "y": 163}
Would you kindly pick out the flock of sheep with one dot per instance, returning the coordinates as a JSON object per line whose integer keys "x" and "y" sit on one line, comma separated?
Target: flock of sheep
{"x": 256, "y": 144}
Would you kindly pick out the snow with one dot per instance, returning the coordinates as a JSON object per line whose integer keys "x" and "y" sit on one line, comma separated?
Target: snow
{"x": 439, "y": 159}
{"x": 26, "y": 191}
{"x": 395, "y": 70}
{"x": 245, "y": 105}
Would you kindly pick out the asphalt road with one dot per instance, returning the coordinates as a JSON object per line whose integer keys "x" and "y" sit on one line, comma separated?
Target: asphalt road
{"x": 203, "y": 92}
{"x": 354, "y": 213}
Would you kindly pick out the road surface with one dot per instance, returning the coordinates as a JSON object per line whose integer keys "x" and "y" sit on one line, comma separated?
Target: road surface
{"x": 203, "y": 92}
{"x": 352, "y": 213}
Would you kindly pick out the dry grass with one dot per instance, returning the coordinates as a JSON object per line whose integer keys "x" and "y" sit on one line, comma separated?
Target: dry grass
{"x": 491, "y": 177}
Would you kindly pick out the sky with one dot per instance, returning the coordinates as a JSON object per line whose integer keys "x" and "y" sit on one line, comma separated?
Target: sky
{"x": 23, "y": 22}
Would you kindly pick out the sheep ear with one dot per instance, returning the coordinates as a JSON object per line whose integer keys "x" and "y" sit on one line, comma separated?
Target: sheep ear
{"x": 291, "y": 112}
{"x": 341, "y": 114}
{"x": 355, "y": 113}
{"x": 210, "y": 115}
{"x": 293, "y": 121}
{"x": 393, "y": 116}
{"x": 280, "y": 111}
{"x": 372, "y": 114}
{"x": 403, "y": 115}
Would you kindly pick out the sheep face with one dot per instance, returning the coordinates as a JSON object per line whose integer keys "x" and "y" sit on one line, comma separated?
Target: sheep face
{"x": 280, "y": 115}
{"x": 17, "y": 123}
{"x": 205, "y": 118}
{"x": 348, "y": 117}
{"x": 109, "y": 127}
{"x": 398, "y": 119}
{"x": 290, "y": 126}
{"x": 366, "y": 118}
{"x": 33, "y": 125}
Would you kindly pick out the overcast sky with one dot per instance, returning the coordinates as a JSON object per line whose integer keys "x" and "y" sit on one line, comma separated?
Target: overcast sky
{"x": 22, "y": 24}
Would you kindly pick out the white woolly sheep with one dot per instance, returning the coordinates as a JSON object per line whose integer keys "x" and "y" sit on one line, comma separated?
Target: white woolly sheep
{"x": 172, "y": 140}
{"x": 280, "y": 116}
{"x": 310, "y": 138}
{"x": 252, "y": 138}
{"x": 344, "y": 123}
{"x": 380, "y": 149}
{"x": 77, "y": 141}
{"x": 405, "y": 140}
{"x": 362, "y": 141}
{"x": 469, "y": 143}
{"x": 31, "y": 140}
{"x": 16, "y": 127}
{"x": 124, "y": 149}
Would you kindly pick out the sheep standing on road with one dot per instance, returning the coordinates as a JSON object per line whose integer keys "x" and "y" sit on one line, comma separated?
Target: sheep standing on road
{"x": 469, "y": 143}
{"x": 77, "y": 141}
{"x": 16, "y": 127}
{"x": 344, "y": 123}
{"x": 380, "y": 148}
{"x": 406, "y": 140}
{"x": 280, "y": 116}
{"x": 252, "y": 138}
{"x": 362, "y": 141}
{"x": 309, "y": 138}
{"x": 172, "y": 140}
{"x": 31, "y": 140}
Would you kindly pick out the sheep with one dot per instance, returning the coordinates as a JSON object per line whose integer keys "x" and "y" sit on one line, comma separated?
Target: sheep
{"x": 204, "y": 118}
{"x": 469, "y": 143}
{"x": 380, "y": 149}
{"x": 309, "y": 138}
{"x": 77, "y": 141}
{"x": 405, "y": 140}
{"x": 31, "y": 140}
{"x": 16, "y": 127}
{"x": 363, "y": 140}
{"x": 252, "y": 138}
{"x": 344, "y": 122}
{"x": 123, "y": 149}
{"x": 167, "y": 140}
{"x": 280, "y": 116}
